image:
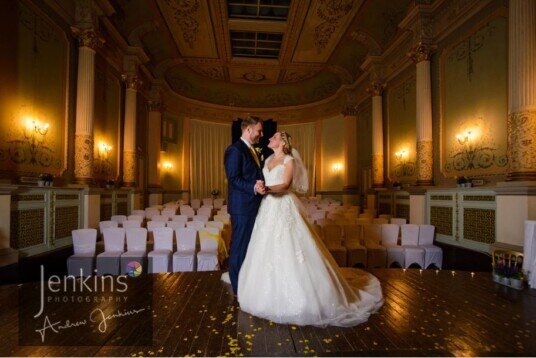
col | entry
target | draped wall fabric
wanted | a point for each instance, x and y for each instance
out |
(303, 139)
(207, 148)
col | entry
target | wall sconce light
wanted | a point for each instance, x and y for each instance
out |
(104, 149)
(336, 167)
(466, 137)
(401, 155)
(167, 165)
(36, 128)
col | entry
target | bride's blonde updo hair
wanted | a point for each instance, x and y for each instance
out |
(287, 139)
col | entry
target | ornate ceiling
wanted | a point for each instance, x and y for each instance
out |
(276, 63)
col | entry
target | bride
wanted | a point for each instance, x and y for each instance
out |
(288, 275)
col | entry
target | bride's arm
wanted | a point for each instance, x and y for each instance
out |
(287, 179)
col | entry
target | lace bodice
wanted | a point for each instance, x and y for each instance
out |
(274, 176)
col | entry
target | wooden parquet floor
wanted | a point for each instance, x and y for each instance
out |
(426, 313)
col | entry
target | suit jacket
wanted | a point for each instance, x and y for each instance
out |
(242, 174)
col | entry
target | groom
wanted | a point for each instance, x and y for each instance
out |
(245, 188)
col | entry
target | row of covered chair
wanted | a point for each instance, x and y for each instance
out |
(115, 260)
(376, 245)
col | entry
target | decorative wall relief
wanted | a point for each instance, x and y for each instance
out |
(474, 102)
(330, 12)
(33, 112)
(401, 112)
(184, 13)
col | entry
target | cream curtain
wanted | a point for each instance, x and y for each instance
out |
(303, 140)
(207, 148)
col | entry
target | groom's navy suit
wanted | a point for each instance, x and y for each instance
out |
(242, 175)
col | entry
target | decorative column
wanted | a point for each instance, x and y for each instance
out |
(154, 137)
(421, 56)
(88, 41)
(376, 89)
(522, 90)
(350, 152)
(129, 144)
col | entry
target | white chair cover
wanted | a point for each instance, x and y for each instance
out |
(395, 252)
(106, 224)
(195, 224)
(136, 248)
(207, 258)
(185, 259)
(529, 252)
(160, 258)
(150, 212)
(139, 213)
(168, 213)
(180, 218)
(413, 254)
(131, 223)
(398, 221)
(204, 211)
(82, 262)
(208, 201)
(202, 218)
(119, 218)
(432, 254)
(151, 225)
(174, 225)
(163, 218)
(135, 217)
(108, 262)
(218, 203)
(195, 204)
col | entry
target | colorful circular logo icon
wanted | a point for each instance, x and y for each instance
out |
(134, 269)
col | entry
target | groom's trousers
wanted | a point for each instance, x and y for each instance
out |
(242, 229)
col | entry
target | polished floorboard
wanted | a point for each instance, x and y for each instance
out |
(426, 313)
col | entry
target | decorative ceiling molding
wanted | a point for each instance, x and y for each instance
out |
(134, 38)
(368, 41)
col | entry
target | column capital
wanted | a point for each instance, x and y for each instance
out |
(155, 105)
(421, 52)
(376, 88)
(87, 37)
(132, 81)
(349, 108)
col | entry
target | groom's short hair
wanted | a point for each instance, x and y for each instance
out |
(250, 121)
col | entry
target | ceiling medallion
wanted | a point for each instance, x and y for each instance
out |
(253, 76)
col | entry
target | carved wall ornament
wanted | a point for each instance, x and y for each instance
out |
(425, 160)
(421, 52)
(216, 73)
(297, 76)
(83, 156)
(129, 167)
(184, 12)
(376, 88)
(377, 169)
(132, 82)
(154, 106)
(88, 38)
(253, 76)
(522, 141)
(465, 50)
(330, 12)
(475, 151)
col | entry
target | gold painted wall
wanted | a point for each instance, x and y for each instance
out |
(473, 84)
(107, 121)
(401, 129)
(33, 94)
(171, 178)
(332, 153)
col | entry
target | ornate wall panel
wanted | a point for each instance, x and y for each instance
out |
(106, 125)
(33, 106)
(402, 137)
(473, 81)
(27, 228)
(402, 211)
(479, 225)
(441, 218)
(66, 220)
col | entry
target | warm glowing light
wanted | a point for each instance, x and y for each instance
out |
(35, 126)
(167, 165)
(402, 154)
(467, 136)
(336, 167)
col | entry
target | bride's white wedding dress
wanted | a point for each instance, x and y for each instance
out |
(290, 277)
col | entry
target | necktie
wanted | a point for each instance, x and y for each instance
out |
(255, 156)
